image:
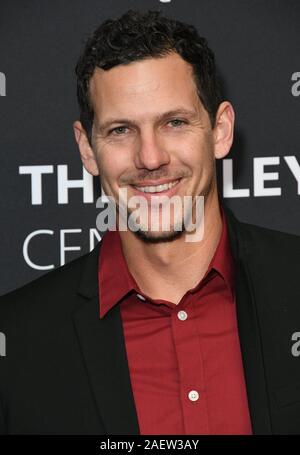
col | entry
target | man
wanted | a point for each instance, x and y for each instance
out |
(150, 333)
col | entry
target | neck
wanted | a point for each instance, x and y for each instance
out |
(168, 270)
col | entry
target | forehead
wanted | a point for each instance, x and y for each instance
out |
(152, 81)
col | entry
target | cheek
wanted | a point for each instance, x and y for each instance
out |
(112, 167)
(199, 158)
(194, 154)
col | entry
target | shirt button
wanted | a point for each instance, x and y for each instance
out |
(182, 315)
(193, 395)
(141, 297)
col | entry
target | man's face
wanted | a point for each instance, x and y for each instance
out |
(150, 127)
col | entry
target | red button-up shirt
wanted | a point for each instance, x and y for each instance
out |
(184, 359)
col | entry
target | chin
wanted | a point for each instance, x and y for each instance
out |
(157, 236)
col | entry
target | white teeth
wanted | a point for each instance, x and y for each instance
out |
(158, 188)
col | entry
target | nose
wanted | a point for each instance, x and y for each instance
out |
(150, 153)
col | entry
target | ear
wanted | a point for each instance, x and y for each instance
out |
(223, 130)
(86, 152)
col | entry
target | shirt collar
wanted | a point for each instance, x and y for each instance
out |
(222, 260)
(116, 281)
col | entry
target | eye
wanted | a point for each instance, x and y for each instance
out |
(118, 130)
(177, 122)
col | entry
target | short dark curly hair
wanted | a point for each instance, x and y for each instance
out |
(136, 36)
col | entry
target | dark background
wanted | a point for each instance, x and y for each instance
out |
(257, 49)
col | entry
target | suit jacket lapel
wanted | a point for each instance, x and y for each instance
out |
(249, 332)
(103, 349)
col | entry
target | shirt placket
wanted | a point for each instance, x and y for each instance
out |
(192, 387)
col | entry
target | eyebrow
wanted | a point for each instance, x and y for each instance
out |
(158, 118)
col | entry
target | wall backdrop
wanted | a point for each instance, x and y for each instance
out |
(48, 211)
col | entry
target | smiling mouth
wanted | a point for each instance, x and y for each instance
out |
(161, 188)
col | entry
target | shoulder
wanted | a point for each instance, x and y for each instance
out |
(261, 243)
(261, 239)
(46, 293)
(273, 259)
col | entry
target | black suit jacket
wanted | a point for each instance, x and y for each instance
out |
(66, 371)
